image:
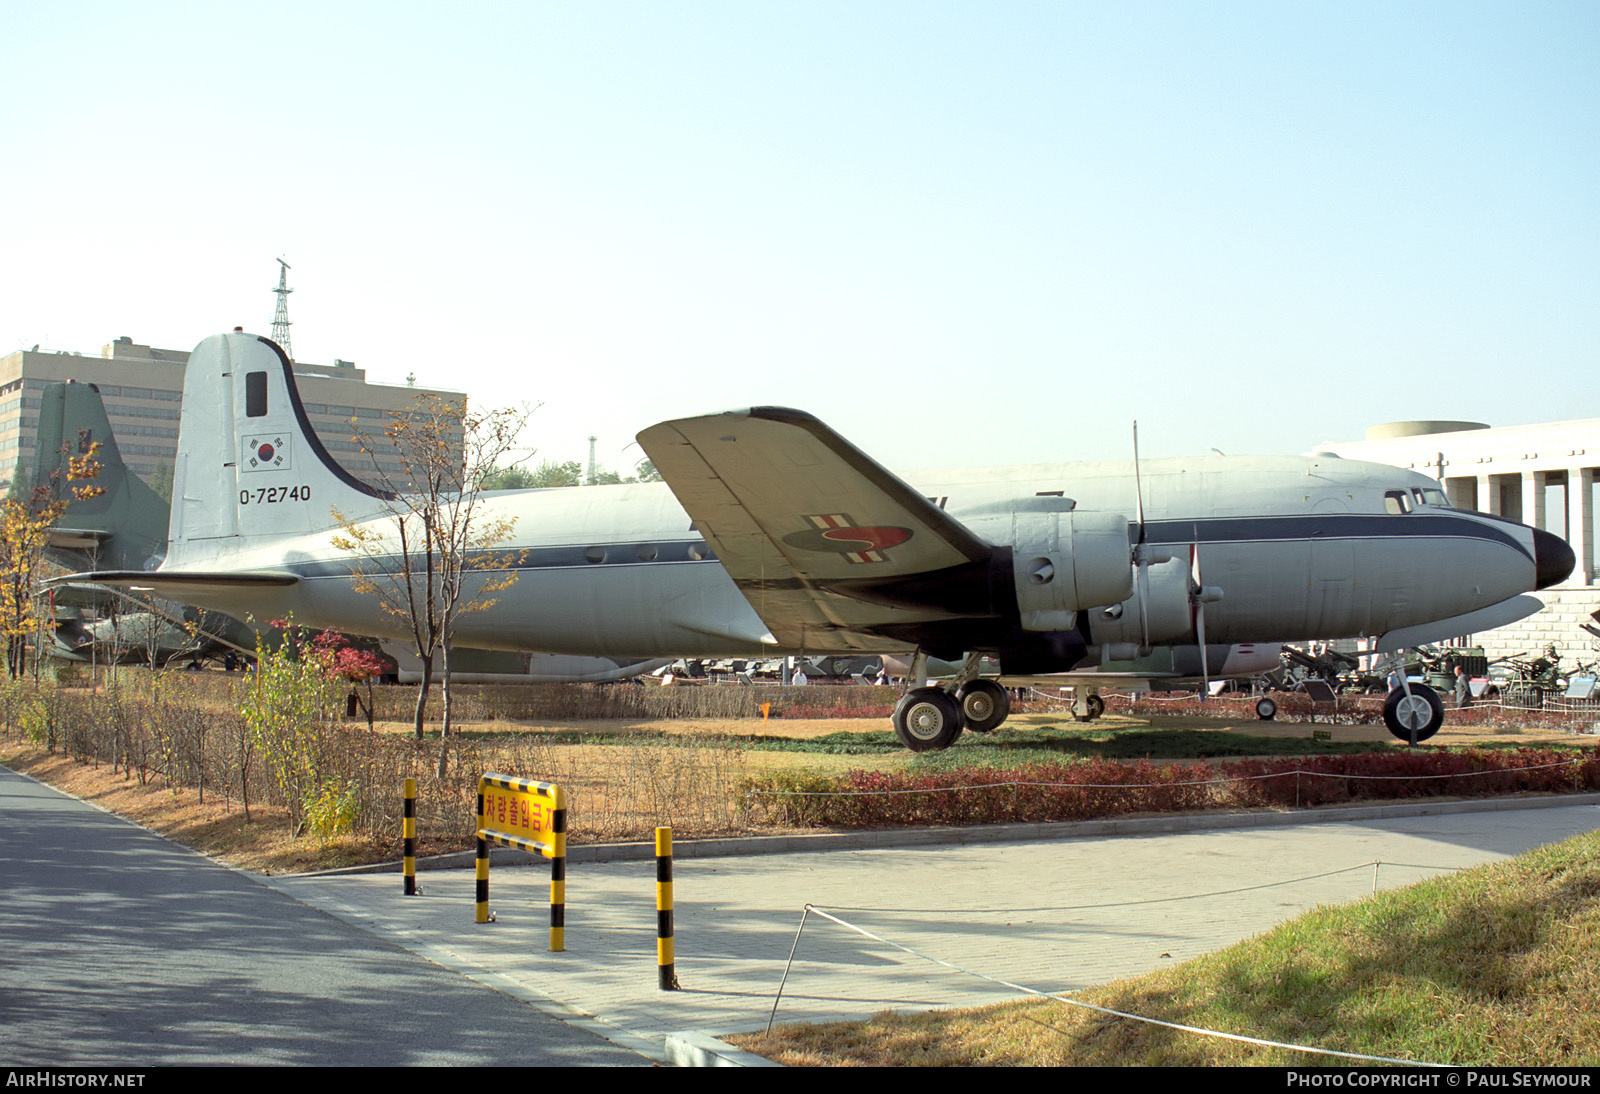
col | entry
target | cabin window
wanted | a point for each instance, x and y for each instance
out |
(647, 553)
(698, 552)
(595, 554)
(255, 394)
(1396, 502)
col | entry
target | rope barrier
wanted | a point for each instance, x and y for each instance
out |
(1373, 865)
(1265, 1043)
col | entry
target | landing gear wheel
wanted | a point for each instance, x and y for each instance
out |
(984, 705)
(1421, 713)
(927, 719)
(1097, 707)
(1266, 709)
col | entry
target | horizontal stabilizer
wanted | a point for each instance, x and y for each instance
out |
(1484, 619)
(78, 539)
(173, 585)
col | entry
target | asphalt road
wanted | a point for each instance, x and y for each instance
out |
(122, 948)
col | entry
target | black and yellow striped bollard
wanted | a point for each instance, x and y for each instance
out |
(484, 915)
(408, 836)
(666, 964)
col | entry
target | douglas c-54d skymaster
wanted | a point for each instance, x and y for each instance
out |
(774, 534)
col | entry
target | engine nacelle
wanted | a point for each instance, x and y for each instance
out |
(1167, 609)
(1064, 562)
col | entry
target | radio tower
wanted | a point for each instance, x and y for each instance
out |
(280, 321)
(593, 470)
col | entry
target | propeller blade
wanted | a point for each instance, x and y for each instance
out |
(1138, 485)
(1200, 616)
(1140, 559)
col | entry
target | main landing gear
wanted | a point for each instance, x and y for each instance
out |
(927, 719)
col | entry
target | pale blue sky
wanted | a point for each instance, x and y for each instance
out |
(961, 233)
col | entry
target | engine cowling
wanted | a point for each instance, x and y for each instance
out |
(1065, 562)
(1167, 610)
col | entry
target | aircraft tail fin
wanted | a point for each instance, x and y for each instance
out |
(250, 466)
(125, 526)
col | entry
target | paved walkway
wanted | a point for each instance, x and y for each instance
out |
(1055, 915)
(124, 949)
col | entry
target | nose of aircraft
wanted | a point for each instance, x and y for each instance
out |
(1553, 558)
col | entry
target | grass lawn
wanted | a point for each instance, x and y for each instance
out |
(1491, 967)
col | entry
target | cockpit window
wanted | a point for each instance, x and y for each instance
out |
(1396, 502)
(1436, 498)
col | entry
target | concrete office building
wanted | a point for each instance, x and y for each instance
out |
(1543, 475)
(142, 388)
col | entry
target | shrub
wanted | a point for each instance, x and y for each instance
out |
(1101, 788)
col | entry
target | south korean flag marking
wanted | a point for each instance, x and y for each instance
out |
(266, 452)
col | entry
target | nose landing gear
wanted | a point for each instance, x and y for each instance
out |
(1413, 712)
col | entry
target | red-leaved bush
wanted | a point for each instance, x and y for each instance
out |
(1103, 788)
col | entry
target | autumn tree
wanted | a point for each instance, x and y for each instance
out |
(26, 520)
(433, 557)
(343, 661)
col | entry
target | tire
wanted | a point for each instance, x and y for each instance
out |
(1421, 711)
(1266, 709)
(984, 705)
(1097, 707)
(927, 720)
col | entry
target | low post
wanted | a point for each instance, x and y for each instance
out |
(482, 866)
(666, 966)
(408, 836)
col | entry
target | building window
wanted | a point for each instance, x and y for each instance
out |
(1507, 496)
(1554, 518)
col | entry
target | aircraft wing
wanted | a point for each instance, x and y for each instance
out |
(1110, 681)
(824, 542)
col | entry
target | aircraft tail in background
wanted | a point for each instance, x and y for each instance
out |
(124, 528)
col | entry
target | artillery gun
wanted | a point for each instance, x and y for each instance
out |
(1525, 683)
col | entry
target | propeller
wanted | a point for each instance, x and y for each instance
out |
(1201, 594)
(1141, 562)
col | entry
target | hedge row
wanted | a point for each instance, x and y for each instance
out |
(1104, 788)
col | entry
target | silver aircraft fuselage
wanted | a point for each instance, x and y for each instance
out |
(1305, 547)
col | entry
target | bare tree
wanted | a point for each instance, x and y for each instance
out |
(433, 558)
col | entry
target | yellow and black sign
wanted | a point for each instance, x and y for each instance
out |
(531, 816)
